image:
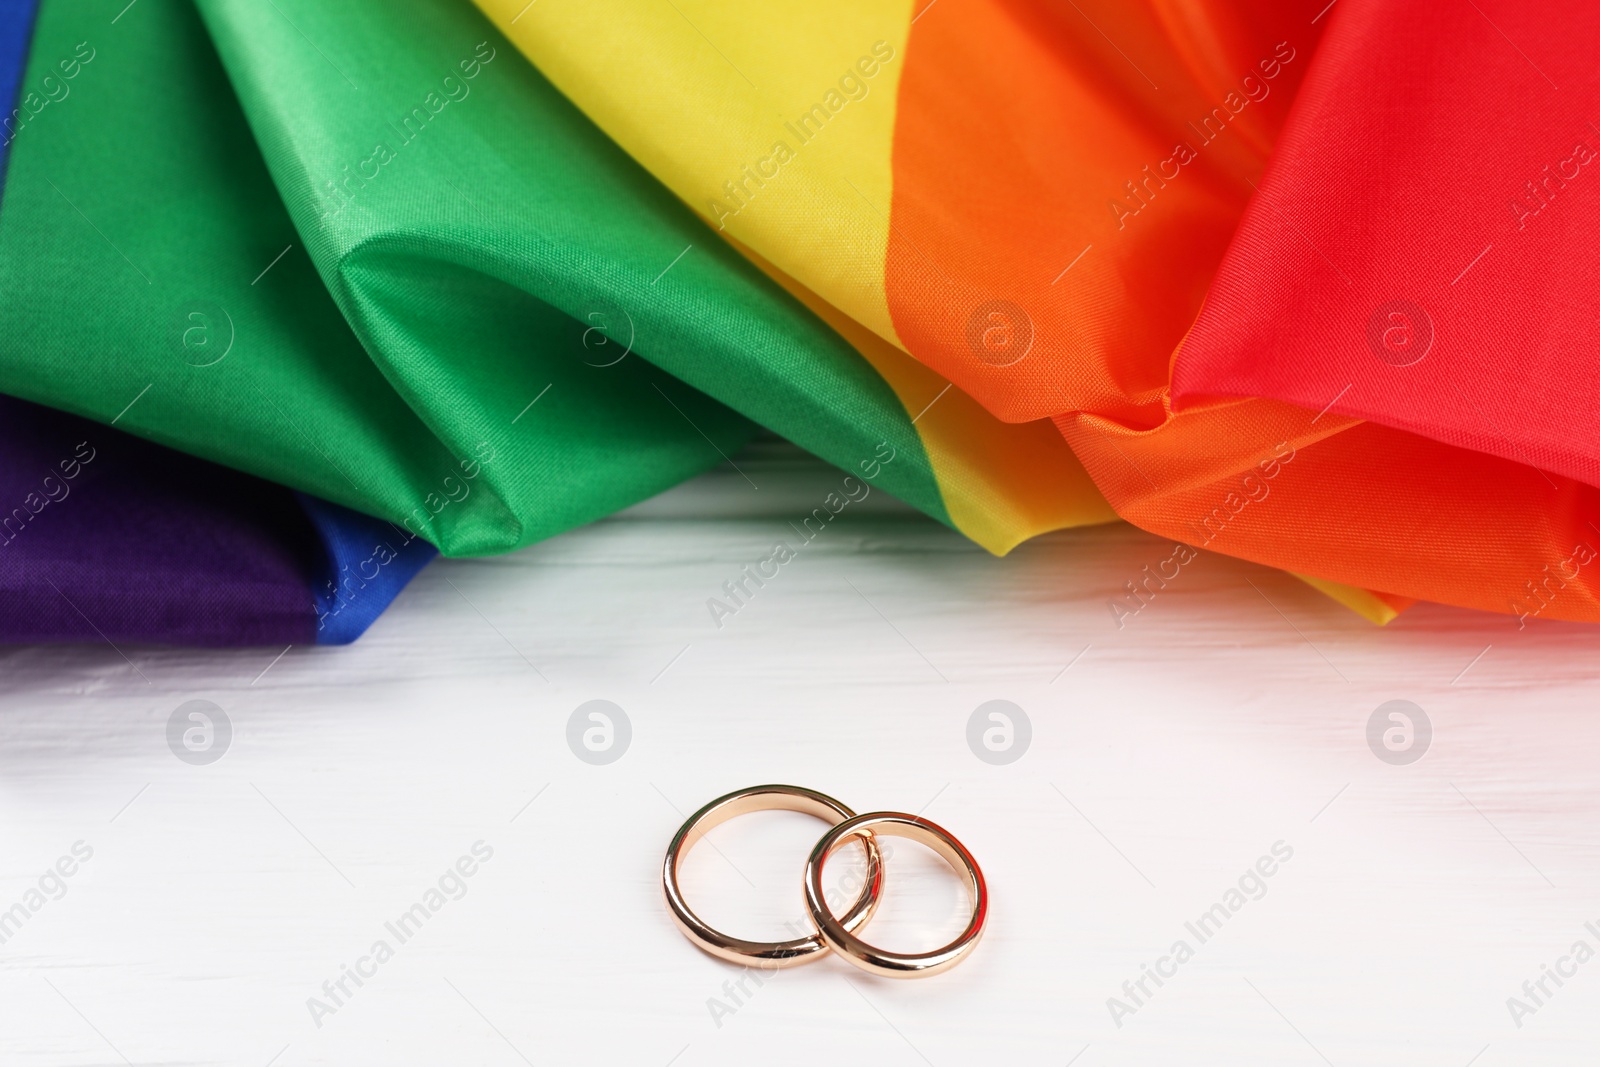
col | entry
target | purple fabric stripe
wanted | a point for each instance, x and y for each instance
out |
(106, 537)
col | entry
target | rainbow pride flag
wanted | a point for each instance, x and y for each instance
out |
(483, 273)
(1033, 200)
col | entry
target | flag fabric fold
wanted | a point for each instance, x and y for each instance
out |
(1035, 209)
(466, 276)
(107, 538)
(1420, 256)
(104, 537)
(446, 299)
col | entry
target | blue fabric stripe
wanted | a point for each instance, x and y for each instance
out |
(368, 562)
(16, 32)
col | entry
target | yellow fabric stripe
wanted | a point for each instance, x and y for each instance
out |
(1002, 482)
(763, 118)
(776, 123)
(1370, 606)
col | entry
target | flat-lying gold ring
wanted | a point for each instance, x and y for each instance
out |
(770, 954)
(836, 934)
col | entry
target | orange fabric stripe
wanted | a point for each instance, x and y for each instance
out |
(1060, 206)
(1001, 482)
(1008, 179)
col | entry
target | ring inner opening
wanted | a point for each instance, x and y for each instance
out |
(925, 904)
(744, 877)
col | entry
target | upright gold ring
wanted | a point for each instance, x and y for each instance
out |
(836, 933)
(771, 954)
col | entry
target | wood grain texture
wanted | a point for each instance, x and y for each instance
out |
(1167, 757)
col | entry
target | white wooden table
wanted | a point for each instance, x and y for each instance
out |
(1166, 759)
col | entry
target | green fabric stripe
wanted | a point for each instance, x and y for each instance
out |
(497, 248)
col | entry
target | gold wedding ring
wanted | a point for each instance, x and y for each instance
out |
(838, 935)
(834, 933)
(770, 954)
